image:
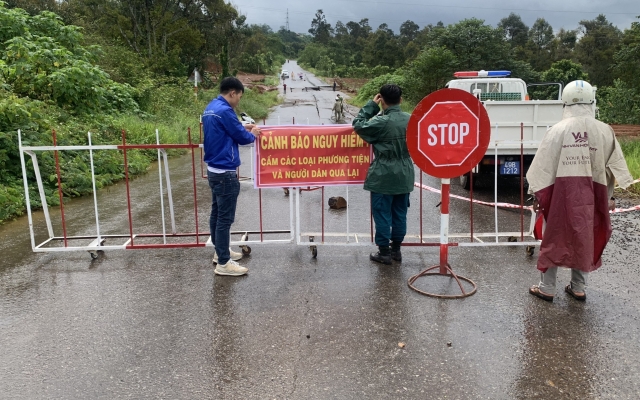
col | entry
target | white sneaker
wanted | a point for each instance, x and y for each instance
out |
(235, 256)
(231, 268)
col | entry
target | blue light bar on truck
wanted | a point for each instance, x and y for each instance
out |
(482, 74)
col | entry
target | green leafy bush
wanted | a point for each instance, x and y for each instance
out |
(373, 86)
(43, 59)
(619, 104)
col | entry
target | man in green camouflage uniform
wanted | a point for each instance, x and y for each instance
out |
(391, 175)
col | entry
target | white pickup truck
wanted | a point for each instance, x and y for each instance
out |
(507, 103)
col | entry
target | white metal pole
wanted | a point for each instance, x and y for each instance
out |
(95, 193)
(169, 191)
(495, 183)
(43, 196)
(297, 194)
(164, 229)
(444, 226)
(347, 213)
(291, 227)
(26, 191)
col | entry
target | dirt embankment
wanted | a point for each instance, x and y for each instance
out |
(350, 85)
(627, 131)
(255, 81)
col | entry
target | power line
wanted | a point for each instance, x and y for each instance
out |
(491, 8)
(429, 5)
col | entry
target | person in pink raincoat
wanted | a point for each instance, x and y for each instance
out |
(572, 177)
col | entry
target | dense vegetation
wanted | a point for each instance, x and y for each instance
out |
(108, 73)
(102, 66)
(424, 59)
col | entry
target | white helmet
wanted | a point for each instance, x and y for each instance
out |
(578, 92)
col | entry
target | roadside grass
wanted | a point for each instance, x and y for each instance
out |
(171, 109)
(631, 150)
(271, 80)
(257, 105)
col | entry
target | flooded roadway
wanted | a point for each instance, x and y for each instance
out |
(159, 324)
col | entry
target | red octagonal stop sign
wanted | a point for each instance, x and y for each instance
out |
(448, 133)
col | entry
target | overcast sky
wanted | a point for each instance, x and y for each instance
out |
(559, 13)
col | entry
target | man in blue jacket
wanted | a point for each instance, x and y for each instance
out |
(223, 132)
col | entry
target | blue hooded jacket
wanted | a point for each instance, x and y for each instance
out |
(222, 135)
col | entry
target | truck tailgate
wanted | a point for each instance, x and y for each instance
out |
(506, 117)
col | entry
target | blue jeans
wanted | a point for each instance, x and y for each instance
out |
(225, 189)
(390, 216)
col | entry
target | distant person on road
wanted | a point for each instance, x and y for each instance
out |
(223, 132)
(390, 178)
(334, 85)
(338, 109)
(572, 176)
(285, 88)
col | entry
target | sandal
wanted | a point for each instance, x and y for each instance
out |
(535, 290)
(573, 294)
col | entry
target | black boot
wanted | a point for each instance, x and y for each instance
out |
(382, 256)
(396, 255)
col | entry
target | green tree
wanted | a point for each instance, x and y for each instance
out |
(430, 71)
(565, 44)
(627, 59)
(372, 87)
(596, 48)
(312, 54)
(539, 45)
(34, 7)
(320, 29)
(619, 103)
(292, 42)
(381, 48)
(516, 31)
(475, 45)
(171, 35)
(408, 32)
(44, 60)
(563, 71)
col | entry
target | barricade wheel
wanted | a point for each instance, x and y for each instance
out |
(246, 250)
(94, 254)
(512, 239)
(314, 251)
(530, 250)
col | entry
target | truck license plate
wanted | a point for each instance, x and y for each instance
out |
(510, 168)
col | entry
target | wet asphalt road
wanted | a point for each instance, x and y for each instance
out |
(159, 324)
